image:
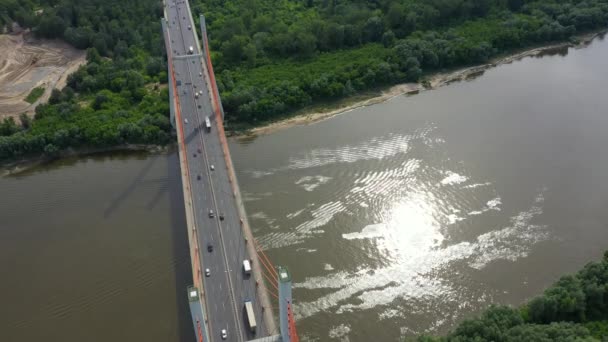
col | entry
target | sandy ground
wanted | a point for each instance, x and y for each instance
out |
(26, 63)
(432, 82)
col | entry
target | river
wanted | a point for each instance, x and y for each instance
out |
(400, 218)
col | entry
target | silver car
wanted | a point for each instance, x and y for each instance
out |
(224, 334)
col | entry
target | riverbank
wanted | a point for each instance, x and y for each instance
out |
(320, 112)
(17, 166)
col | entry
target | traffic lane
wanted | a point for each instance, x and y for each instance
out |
(245, 286)
(224, 203)
(248, 290)
(215, 285)
(218, 288)
(226, 200)
(212, 288)
(221, 317)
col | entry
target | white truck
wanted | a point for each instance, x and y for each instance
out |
(246, 266)
(208, 124)
(250, 316)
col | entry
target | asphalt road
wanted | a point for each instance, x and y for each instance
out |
(227, 287)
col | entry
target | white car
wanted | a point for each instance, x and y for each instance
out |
(207, 272)
(224, 334)
(212, 167)
(185, 121)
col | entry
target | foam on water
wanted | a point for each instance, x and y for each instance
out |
(309, 183)
(453, 178)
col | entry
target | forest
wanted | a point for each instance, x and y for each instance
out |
(575, 308)
(271, 57)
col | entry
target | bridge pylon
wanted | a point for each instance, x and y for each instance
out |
(286, 319)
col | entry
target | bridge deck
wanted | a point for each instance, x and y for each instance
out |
(219, 245)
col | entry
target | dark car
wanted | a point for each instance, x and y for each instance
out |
(209, 248)
(222, 217)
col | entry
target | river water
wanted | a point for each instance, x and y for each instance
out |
(400, 218)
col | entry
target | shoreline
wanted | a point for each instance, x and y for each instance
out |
(17, 166)
(432, 81)
(322, 111)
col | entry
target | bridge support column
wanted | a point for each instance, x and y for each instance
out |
(284, 302)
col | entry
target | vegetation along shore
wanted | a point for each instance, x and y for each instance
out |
(572, 309)
(272, 58)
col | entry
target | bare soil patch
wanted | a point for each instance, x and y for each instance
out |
(27, 63)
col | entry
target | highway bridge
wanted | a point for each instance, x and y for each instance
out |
(218, 232)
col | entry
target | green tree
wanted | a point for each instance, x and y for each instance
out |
(26, 121)
(8, 127)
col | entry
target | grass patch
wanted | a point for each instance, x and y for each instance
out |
(34, 95)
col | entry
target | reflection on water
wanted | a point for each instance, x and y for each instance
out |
(414, 213)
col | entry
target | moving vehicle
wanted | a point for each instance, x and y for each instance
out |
(212, 167)
(221, 217)
(224, 334)
(207, 272)
(250, 316)
(190, 50)
(189, 27)
(185, 120)
(196, 94)
(209, 248)
(208, 123)
(246, 267)
(211, 213)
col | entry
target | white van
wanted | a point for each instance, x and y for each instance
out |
(246, 267)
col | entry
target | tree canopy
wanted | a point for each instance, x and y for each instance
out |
(573, 309)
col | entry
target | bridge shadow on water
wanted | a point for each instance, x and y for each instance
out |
(181, 249)
(139, 179)
(172, 187)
